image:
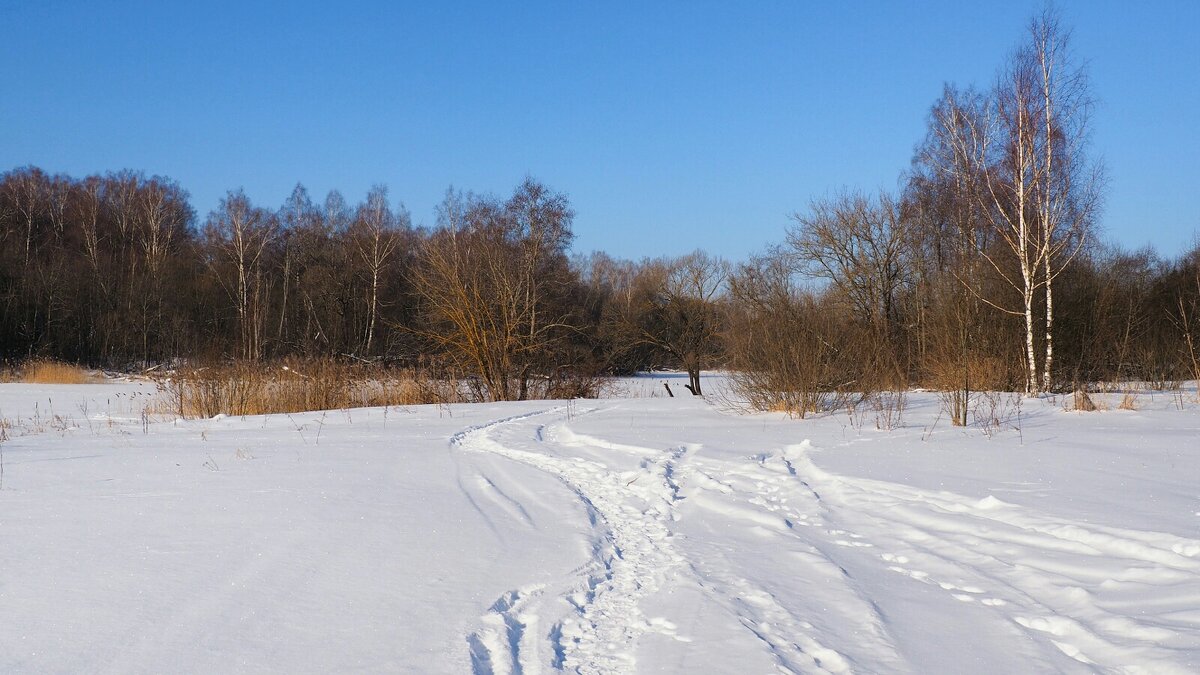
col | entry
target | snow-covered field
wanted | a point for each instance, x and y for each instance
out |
(641, 534)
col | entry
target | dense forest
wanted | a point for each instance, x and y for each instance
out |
(984, 270)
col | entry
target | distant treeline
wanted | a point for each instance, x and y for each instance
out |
(982, 271)
(115, 270)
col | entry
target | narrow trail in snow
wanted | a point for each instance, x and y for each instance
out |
(635, 551)
(630, 558)
(1039, 584)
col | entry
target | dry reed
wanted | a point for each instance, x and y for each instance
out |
(54, 372)
(297, 386)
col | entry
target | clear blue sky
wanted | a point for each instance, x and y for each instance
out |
(671, 126)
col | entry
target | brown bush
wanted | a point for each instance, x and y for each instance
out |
(789, 355)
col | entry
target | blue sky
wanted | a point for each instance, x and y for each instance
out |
(671, 126)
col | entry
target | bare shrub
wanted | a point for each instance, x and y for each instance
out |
(888, 407)
(569, 383)
(565, 383)
(995, 411)
(417, 386)
(959, 380)
(788, 353)
(954, 380)
(1179, 398)
(1129, 401)
(955, 403)
(1163, 381)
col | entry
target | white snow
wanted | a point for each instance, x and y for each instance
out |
(639, 534)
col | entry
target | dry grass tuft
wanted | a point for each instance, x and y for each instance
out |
(54, 372)
(1128, 401)
(1082, 402)
(298, 386)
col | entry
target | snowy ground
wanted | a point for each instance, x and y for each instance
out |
(643, 534)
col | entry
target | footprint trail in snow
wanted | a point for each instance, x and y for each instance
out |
(822, 573)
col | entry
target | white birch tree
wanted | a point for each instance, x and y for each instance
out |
(240, 235)
(377, 234)
(1067, 186)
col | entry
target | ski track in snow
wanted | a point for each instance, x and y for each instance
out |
(1061, 582)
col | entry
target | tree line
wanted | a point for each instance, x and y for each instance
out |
(983, 271)
(116, 270)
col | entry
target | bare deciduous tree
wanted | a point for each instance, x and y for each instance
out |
(376, 234)
(487, 279)
(1039, 190)
(944, 192)
(1067, 185)
(239, 234)
(161, 215)
(860, 245)
(672, 304)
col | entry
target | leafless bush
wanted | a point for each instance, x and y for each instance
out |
(995, 411)
(788, 354)
(1179, 398)
(957, 380)
(572, 384)
(246, 388)
(565, 384)
(888, 407)
(955, 404)
(1164, 382)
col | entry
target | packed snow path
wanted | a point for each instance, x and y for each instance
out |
(620, 536)
(632, 554)
(828, 573)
